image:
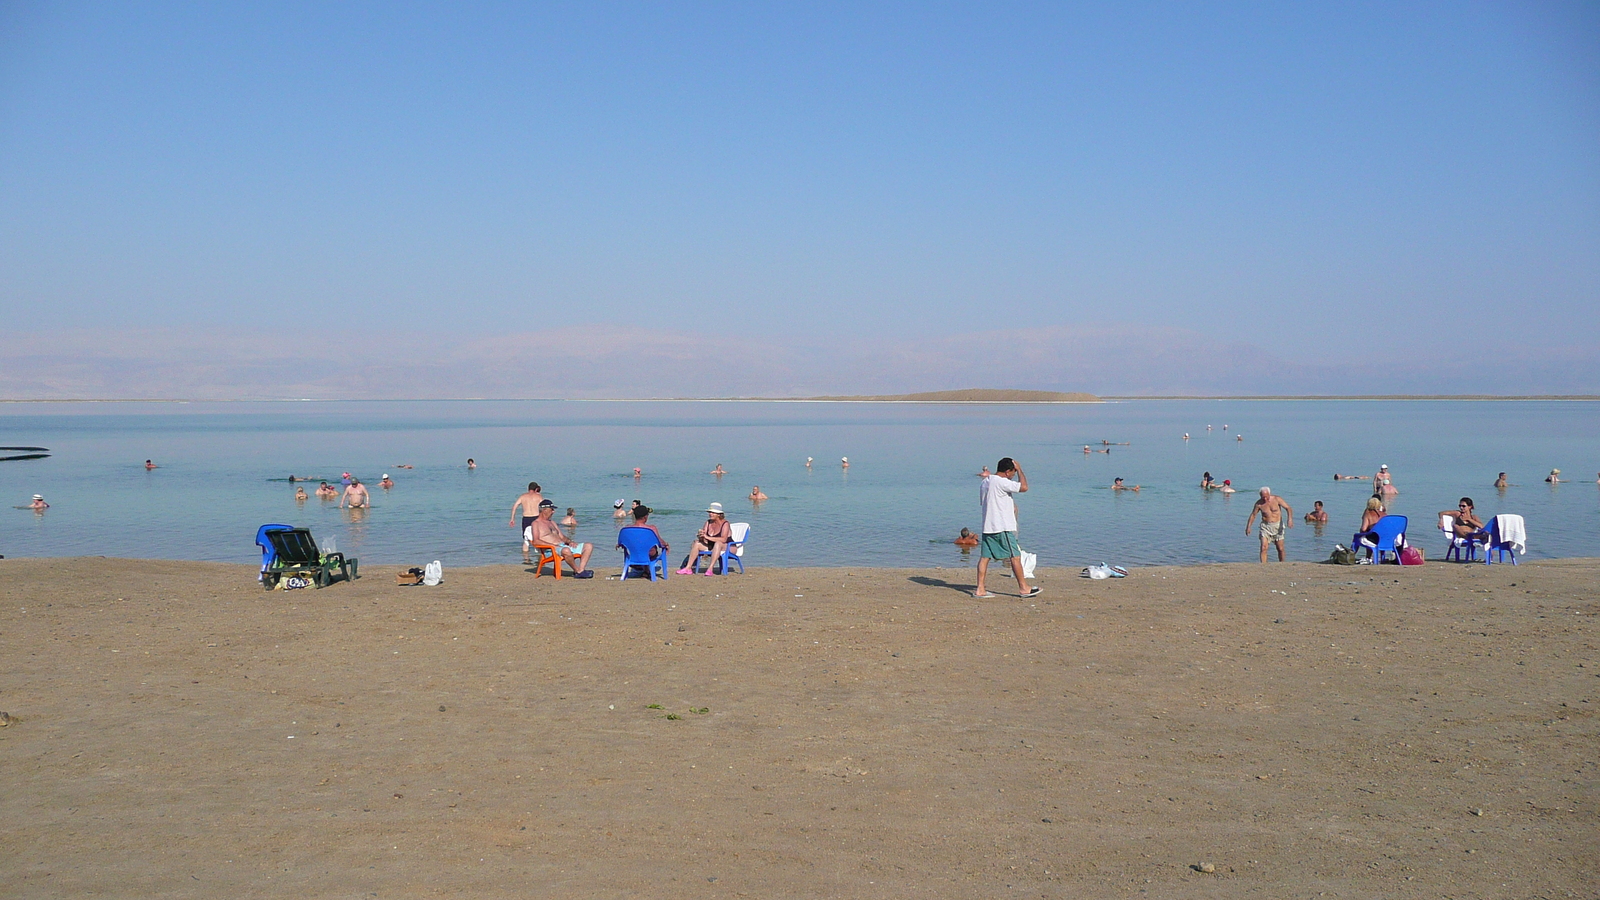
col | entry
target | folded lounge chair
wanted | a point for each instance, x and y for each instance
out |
(295, 553)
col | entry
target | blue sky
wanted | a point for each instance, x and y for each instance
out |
(1414, 183)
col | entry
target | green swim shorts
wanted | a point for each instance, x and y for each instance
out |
(1000, 545)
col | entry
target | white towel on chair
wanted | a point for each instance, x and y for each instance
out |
(1512, 533)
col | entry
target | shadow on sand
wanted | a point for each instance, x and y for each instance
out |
(940, 582)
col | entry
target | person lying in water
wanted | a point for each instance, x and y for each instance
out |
(1117, 485)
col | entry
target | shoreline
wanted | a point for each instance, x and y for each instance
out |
(1106, 398)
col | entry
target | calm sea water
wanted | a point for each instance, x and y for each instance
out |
(909, 489)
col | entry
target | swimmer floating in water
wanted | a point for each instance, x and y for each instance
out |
(1117, 485)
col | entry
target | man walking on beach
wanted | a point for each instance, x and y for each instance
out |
(1000, 524)
(1276, 516)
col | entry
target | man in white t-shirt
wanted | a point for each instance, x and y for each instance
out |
(1000, 524)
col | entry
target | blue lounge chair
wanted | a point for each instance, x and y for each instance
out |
(636, 542)
(1390, 534)
(732, 554)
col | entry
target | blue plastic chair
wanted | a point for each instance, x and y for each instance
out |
(636, 542)
(1390, 532)
(1495, 545)
(732, 554)
(268, 555)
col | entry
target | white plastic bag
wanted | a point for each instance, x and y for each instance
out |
(1029, 560)
(433, 573)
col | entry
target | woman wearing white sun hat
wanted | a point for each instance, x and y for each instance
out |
(712, 536)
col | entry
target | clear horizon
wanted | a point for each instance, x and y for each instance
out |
(367, 200)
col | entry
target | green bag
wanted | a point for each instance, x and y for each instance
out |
(1343, 556)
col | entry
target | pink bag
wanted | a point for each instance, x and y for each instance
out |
(1411, 556)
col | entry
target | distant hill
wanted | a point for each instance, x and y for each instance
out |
(977, 395)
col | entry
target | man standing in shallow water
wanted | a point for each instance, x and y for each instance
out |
(1276, 516)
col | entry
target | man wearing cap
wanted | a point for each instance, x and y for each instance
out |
(38, 502)
(1383, 483)
(641, 519)
(545, 531)
(713, 536)
(355, 496)
(1000, 524)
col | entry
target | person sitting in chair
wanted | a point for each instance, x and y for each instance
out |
(545, 531)
(714, 536)
(641, 519)
(1464, 523)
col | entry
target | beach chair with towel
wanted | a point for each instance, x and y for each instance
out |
(267, 553)
(295, 553)
(732, 554)
(636, 542)
(1507, 534)
(1459, 543)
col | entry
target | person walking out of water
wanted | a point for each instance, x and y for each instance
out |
(1383, 482)
(1276, 517)
(528, 504)
(355, 496)
(996, 499)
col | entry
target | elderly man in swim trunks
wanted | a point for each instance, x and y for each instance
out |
(1276, 516)
(544, 530)
(355, 496)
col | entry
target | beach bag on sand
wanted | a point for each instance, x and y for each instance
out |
(1029, 560)
(1343, 556)
(433, 574)
(1411, 556)
(412, 575)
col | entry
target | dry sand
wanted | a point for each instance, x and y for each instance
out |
(1306, 730)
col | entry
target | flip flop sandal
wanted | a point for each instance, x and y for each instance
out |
(978, 596)
(1032, 592)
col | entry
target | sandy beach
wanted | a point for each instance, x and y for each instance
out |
(1293, 730)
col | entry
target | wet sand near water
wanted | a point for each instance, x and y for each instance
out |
(1302, 730)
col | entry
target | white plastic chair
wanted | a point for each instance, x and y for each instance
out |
(732, 554)
(1458, 543)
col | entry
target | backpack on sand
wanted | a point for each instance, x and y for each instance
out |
(1343, 556)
